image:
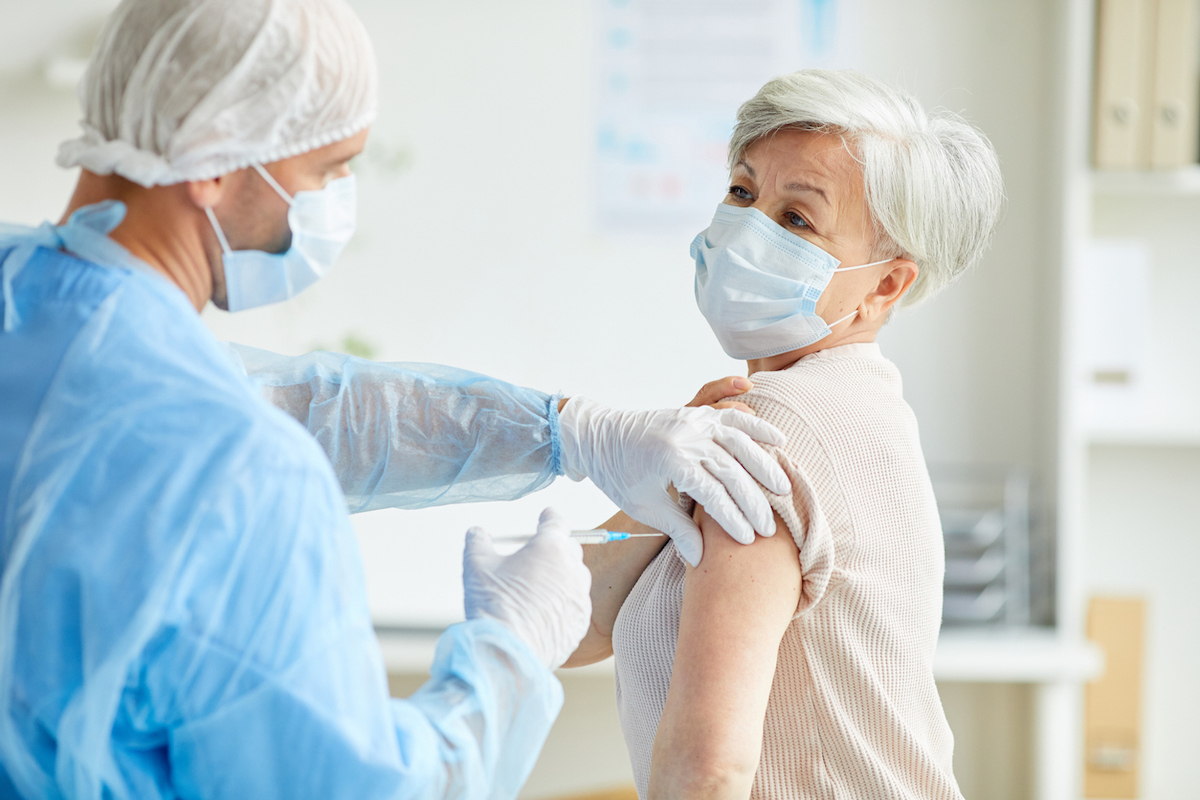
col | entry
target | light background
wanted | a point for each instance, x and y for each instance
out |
(478, 245)
(478, 248)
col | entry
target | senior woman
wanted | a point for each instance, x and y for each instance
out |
(800, 666)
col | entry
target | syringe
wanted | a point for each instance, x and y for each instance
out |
(584, 537)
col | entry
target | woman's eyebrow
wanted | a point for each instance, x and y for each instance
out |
(742, 163)
(796, 186)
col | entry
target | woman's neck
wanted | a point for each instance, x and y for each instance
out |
(785, 360)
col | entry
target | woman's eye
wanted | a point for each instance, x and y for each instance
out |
(740, 193)
(795, 220)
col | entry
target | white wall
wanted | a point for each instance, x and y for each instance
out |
(483, 254)
(479, 249)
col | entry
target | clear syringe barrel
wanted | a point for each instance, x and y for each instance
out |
(583, 537)
(598, 537)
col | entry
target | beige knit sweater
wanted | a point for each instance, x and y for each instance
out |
(853, 711)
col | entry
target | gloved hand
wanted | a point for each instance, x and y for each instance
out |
(636, 456)
(541, 592)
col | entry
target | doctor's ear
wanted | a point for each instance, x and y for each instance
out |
(898, 279)
(207, 193)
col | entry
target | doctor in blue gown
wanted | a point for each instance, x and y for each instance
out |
(182, 611)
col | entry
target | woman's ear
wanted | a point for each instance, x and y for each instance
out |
(899, 278)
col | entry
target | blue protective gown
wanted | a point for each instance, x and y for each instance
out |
(182, 610)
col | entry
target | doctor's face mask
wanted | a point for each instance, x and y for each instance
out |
(758, 284)
(322, 223)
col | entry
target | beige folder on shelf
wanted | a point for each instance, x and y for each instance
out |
(1113, 702)
(1172, 118)
(1125, 33)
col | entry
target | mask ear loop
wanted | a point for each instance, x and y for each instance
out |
(854, 313)
(266, 176)
(863, 266)
(212, 219)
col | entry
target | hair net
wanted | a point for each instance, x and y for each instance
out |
(181, 90)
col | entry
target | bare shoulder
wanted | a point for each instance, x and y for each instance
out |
(718, 542)
(768, 568)
(737, 605)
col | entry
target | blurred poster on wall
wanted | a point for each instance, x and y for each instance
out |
(670, 75)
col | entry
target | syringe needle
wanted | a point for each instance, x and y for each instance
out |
(586, 537)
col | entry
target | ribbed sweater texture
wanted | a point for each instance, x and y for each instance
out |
(853, 711)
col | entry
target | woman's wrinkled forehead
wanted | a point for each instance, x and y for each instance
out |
(815, 164)
(826, 155)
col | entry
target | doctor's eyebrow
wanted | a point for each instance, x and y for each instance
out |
(337, 161)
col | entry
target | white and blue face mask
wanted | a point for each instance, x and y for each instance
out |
(758, 284)
(322, 222)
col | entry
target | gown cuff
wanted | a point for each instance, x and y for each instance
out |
(555, 435)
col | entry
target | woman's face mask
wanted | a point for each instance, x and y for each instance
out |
(758, 284)
(322, 223)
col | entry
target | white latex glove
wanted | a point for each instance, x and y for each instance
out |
(636, 456)
(541, 592)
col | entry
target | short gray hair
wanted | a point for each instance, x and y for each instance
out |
(932, 180)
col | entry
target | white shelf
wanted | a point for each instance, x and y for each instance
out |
(974, 656)
(1179, 182)
(1017, 656)
(1145, 437)
(409, 651)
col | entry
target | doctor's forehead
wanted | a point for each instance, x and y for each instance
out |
(338, 152)
(349, 148)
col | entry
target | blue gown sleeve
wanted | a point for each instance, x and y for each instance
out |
(474, 730)
(406, 435)
(272, 684)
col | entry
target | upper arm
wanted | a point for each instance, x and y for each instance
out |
(737, 604)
